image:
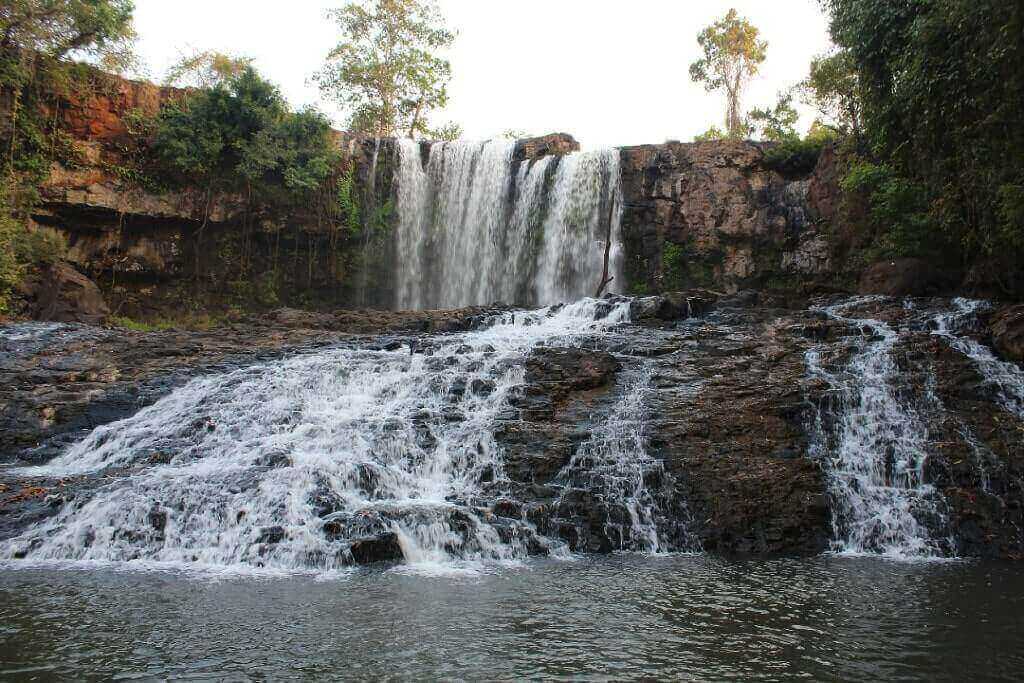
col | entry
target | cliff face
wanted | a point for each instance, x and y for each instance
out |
(712, 214)
(708, 214)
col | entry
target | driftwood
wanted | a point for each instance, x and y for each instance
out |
(605, 277)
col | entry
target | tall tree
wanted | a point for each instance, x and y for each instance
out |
(733, 54)
(386, 71)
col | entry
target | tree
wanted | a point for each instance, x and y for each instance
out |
(776, 124)
(833, 89)
(940, 97)
(733, 54)
(206, 69)
(386, 71)
(59, 29)
(240, 135)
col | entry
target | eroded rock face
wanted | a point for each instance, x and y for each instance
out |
(713, 215)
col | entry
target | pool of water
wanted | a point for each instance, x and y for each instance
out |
(619, 617)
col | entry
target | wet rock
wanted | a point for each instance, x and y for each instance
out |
(272, 535)
(1007, 327)
(381, 548)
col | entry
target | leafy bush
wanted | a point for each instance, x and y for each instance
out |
(240, 136)
(898, 209)
(795, 158)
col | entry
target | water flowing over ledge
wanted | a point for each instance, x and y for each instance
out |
(345, 456)
(475, 227)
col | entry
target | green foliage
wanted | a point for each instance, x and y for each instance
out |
(140, 326)
(385, 71)
(239, 135)
(673, 265)
(833, 88)
(77, 29)
(348, 204)
(897, 208)
(712, 133)
(206, 69)
(941, 88)
(777, 124)
(733, 54)
(794, 158)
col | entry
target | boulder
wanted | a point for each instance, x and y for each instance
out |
(1007, 327)
(899, 277)
(59, 293)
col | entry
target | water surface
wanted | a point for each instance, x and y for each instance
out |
(619, 617)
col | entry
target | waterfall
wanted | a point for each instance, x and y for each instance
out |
(475, 226)
(612, 469)
(1006, 379)
(311, 462)
(872, 443)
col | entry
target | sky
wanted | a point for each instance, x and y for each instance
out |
(609, 73)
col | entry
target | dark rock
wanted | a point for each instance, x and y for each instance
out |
(899, 277)
(59, 293)
(1007, 326)
(381, 548)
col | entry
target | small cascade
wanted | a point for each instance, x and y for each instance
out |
(1006, 379)
(340, 456)
(613, 473)
(475, 226)
(872, 442)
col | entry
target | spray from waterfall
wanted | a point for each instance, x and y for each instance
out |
(475, 226)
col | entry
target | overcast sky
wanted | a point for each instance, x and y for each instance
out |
(610, 73)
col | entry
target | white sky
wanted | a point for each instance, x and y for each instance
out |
(610, 73)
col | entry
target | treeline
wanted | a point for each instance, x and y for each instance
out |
(925, 103)
(938, 88)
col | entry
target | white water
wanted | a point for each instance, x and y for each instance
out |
(475, 228)
(1007, 379)
(874, 449)
(284, 465)
(612, 467)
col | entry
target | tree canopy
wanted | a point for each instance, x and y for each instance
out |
(733, 54)
(240, 133)
(940, 90)
(99, 29)
(386, 71)
(205, 69)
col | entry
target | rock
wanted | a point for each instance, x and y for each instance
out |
(380, 548)
(555, 143)
(899, 277)
(1007, 326)
(59, 293)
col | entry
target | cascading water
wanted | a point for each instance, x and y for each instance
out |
(872, 443)
(613, 471)
(475, 226)
(304, 464)
(1007, 379)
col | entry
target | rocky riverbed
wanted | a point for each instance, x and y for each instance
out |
(704, 422)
